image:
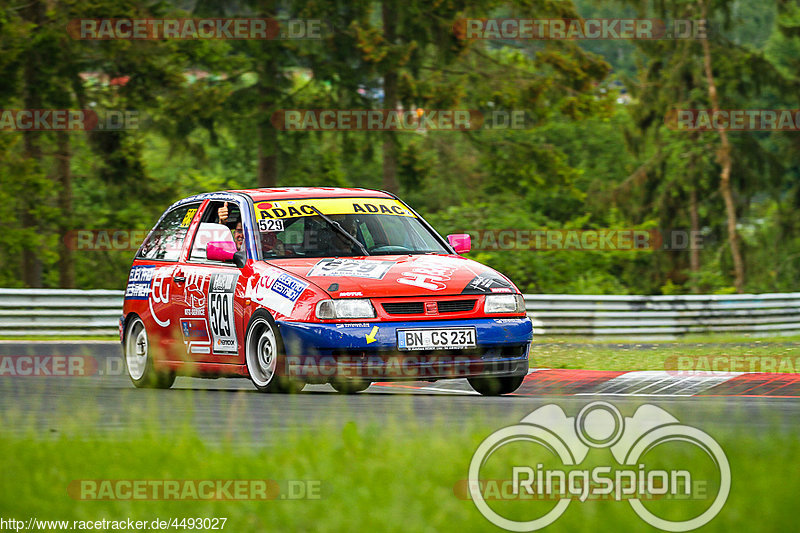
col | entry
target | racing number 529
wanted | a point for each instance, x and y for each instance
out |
(220, 321)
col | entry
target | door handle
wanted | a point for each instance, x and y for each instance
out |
(179, 279)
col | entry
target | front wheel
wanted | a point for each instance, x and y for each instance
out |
(264, 357)
(495, 386)
(139, 359)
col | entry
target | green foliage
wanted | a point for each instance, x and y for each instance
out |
(585, 160)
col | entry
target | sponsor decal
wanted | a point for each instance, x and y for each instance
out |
(351, 268)
(331, 206)
(351, 293)
(220, 313)
(195, 334)
(277, 291)
(432, 278)
(139, 282)
(159, 293)
(195, 292)
(487, 282)
(370, 337)
(194, 329)
(187, 219)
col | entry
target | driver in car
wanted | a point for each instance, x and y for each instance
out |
(235, 225)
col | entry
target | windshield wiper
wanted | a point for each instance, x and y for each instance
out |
(335, 225)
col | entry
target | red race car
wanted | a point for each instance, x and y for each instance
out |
(316, 285)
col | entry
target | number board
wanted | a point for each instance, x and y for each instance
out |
(220, 313)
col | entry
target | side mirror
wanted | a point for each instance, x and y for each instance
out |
(220, 250)
(461, 242)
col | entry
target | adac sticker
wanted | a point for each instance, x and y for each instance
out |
(331, 206)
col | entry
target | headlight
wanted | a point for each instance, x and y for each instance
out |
(504, 303)
(345, 308)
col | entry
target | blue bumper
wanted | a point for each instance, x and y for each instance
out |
(369, 350)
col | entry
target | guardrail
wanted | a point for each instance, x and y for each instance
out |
(664, 316)
(57, 312)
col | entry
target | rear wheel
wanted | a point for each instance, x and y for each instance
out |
(495, 386)
(265, 359)
(139, 358)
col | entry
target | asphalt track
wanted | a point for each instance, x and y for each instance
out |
(225, 409)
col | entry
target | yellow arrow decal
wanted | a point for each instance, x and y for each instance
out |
(371, 335)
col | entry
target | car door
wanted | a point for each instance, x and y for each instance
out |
(155, 269)
(210, 314)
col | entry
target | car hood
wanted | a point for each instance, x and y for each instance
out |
(397, 275)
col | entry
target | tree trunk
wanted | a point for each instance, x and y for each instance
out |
(269, 97)
(267, 156)
(31, 262)
(694, 251)
(694, 215)
(724, 158)
(390, 103)
(66, 264)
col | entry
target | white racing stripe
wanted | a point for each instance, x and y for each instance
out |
(661, 383)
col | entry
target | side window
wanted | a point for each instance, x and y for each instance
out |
(166, 241)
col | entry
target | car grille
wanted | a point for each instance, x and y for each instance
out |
(418, 308)
(456, 306)
(404, 308)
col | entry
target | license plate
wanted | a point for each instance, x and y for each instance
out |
(436, 338)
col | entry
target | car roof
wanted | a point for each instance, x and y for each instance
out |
(286, 193)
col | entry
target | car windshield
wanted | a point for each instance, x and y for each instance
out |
(336, 227)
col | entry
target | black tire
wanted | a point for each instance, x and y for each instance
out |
(265, 356)
(350, 386)
(139, 358)
(496, 386)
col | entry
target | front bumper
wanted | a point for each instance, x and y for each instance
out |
(318, 352)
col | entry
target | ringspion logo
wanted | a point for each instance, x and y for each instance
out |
(557, 466)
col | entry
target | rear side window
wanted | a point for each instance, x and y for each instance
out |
(166, 241)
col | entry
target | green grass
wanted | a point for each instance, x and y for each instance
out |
(774, 355)
(394, 476)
